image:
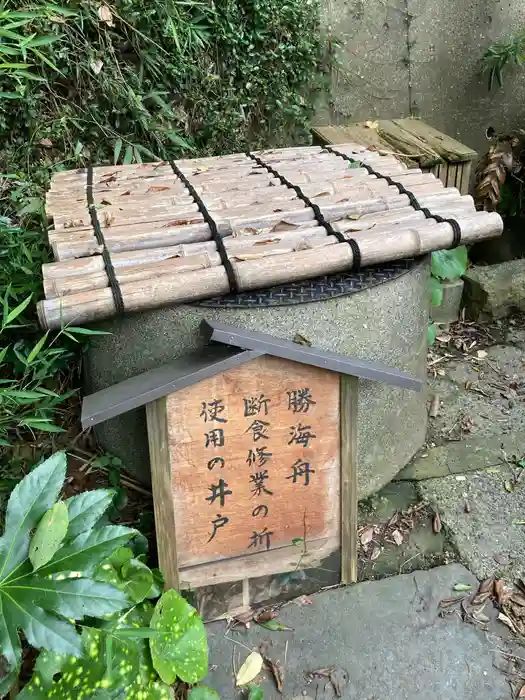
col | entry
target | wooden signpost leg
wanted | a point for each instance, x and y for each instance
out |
(349, 397)
(162, 491)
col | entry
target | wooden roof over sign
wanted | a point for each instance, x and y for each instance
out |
(234, 346)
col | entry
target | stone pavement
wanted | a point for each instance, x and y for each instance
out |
(385, 639)
(476, 443)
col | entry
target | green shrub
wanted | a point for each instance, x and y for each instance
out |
(79, 591)
(151, 79)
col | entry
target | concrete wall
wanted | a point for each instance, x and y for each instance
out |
(423, 57)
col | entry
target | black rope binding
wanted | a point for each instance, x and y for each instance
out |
(230, 272)
(106, 257)
(356, 252)
(456, 229)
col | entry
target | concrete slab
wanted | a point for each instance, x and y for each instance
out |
(385, 636)
(490, 538)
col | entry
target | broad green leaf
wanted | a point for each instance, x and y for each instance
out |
(86, 509)
(132, 676)
(41, 629)
(274, 626)
(137, 156)
(74, 598)
(436, 292)
(10, 647)
(33, 206)
(28, 502)
(255, 692)
(49, 535)
(116, 150)
(462, 587)
(202, 692)
(431, 333)
(78, 148)
(180, 649)
(138, 579)
(128, 155)
(88, 550)
(450, 264)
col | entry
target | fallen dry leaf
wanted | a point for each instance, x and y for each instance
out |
(250, 669)
(481, 354)
(397, 537)
(96, 66)
(301, 340)
(521, 694)
(507, 621)
(244, 618)
(375, 552)
(500, 591)
(367, 536)
(46, 143)
(466, 506)
(105, 15)
(157, 188)
(518, 598)
(303, 600)
(436, 523)
(266, 615)
(486, 586)
(277, 672)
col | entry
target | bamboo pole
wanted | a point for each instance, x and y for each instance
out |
(188, 286)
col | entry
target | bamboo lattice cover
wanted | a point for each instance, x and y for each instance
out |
(136, 237)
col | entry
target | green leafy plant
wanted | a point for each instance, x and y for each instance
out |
(445, 265)
(77, 589)
(501, 54)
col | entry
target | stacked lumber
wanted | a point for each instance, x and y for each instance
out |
(161, 247)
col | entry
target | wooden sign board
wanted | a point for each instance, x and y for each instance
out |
(246, 472)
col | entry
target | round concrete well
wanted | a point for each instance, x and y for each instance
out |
(385, 321)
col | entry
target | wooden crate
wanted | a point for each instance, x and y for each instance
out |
(418, 144)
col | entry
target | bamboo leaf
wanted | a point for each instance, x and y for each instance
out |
(128, 155)
(116, 150)
(37, 348)
(15, 313)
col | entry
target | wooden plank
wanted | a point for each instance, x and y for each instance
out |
(464, 185)
(254, 455)
(407, 143)
(447, 147)
(351, 133)
(273, 561)
(156, 416)
(349, 399)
